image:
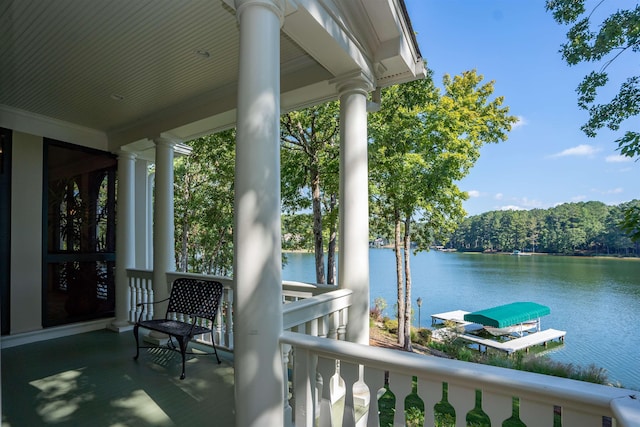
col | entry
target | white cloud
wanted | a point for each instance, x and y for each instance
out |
(521, 122)
(579, 150)
(579, 198)
(530, 203)
(617, 190)
(616, 158)
(520, 204)
(473, 193)
(498, 196)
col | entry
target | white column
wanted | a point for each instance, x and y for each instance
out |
(143, 218)
(125, 238)
(353, 271)
(163, 222)
(257, 269)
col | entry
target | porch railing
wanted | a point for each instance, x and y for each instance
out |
(298, 315)
(365, 370)
(333, 382)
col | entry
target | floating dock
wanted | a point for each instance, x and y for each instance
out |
(516, 344)
(454, 316)
(509, 347)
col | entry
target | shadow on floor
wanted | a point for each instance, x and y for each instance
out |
(91, 379)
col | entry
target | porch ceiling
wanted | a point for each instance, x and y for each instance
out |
(134, 69)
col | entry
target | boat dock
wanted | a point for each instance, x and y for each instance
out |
(516, 344)
(509, 347)
(454, 316)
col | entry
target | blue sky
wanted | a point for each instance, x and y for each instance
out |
(547, 160)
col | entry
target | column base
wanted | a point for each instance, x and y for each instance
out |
(121, 326)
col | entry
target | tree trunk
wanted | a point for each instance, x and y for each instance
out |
(407, 279)
(317, 222)
(399, 281)
(331, 249)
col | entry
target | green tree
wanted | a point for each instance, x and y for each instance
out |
(310, 162)
(422, 141)
(203, 192)
(618, 34)
(570, 228)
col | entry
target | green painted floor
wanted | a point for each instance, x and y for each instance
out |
(91, 379)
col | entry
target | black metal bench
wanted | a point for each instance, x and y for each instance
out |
(195, 302)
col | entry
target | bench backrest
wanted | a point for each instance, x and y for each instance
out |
(195, 297)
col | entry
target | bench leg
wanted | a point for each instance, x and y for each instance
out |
(183, 349)
(135, 334)
(216, 352)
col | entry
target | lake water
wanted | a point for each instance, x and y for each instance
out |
(595, 300)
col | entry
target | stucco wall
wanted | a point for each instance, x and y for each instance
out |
(26, 233)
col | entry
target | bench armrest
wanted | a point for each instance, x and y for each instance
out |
(143, 304)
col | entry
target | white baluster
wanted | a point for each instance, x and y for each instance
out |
(304, 388)
(374, 379)
(134, 284)
(149, 297)
(218, 334)
(400, 386)
(323, 326)
(536, 414)
(288, 420)
(327, 370)
(342, 327)
(228, 327)
(498, 407)
(463, 400)
(431, 393)
(350, 374)
(139, 297)
(333, 326)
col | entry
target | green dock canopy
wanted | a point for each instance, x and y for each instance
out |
(508, 314)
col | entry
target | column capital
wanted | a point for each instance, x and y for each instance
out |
(275, 6)
(127, 155)
(356, 81)
(164, 141)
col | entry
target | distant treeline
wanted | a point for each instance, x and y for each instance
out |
(589, 228)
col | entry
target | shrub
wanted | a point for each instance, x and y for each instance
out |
(377, 311)
(414, 417)
(465, 354)
(421, 336)
(391, 325)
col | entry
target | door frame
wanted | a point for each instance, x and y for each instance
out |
(5, 230)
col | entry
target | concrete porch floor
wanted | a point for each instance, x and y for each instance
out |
(91, 379)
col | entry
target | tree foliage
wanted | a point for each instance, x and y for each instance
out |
(423, 140)
(570, 228)
(310, 163)
(618, 34)
(203, 192)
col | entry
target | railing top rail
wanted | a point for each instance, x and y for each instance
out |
(140, 272)
(305, 310)
(226, 281)
(314, 288)
(289, 287)
(499, 380)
